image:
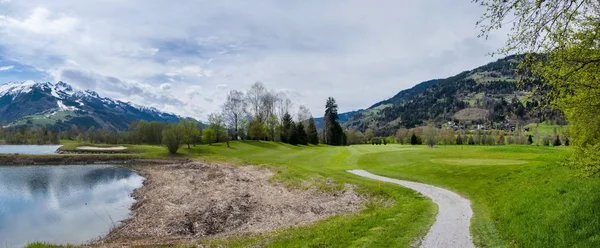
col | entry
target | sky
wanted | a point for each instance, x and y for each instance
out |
(184, 56)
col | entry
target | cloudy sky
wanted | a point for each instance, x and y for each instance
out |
(184, 56)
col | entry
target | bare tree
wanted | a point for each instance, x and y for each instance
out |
(304, 115)
(255, 97)
(431, 135)
(269, 101)
(284, 104)
(234, 110)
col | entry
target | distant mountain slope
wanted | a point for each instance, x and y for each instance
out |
(483, 95)
(343, 117)
(59, 105)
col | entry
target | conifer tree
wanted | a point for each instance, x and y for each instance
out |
(313, 135)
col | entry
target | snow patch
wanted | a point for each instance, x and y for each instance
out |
(64, 107)
(17, 88)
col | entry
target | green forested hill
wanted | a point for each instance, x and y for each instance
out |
(489, 95)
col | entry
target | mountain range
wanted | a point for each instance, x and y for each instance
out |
(60, 106)
(485, 95)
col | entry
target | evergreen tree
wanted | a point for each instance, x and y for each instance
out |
(557, 141)
(333, 132)
(301, 134)
(287, 124)
(293, 134)
(413, 139)
(313, 135)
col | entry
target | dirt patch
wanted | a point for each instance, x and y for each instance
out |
(180, 204)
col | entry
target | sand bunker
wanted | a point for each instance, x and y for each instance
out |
(94, 148)
(479, 161)
(182, 203)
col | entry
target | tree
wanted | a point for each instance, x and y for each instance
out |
(447, 136)
(173, 136)
(330, 129)
(401, 135)
(208, 136)
(471, 140)
(413, 139)
(500, 138)
(92, 134)
(459, 139)
(272, 124)
(354, 137)
(293, 138)
(216, 123)
(431, 135)
(313, 134)
(369, 135)
(74, 132)
(256, 130)
(255, 97)
(284, 105)
(234, 110)
(304, 115)
(286, 127)
(80, 138)
(301, 134)
(190, 131)
(556, 141)
(566, 32)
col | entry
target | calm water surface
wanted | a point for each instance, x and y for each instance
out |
(62, 204)
(29, 149)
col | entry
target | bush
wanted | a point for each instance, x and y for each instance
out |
(173, 136)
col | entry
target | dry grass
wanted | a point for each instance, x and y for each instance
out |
(184, 203)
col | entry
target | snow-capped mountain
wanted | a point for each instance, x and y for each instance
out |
(60, 105)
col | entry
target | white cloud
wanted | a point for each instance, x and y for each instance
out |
(359, 52)
(166, 86)
(6, 68)
(42, 21)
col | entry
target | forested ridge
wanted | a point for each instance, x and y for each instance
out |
(488, 95)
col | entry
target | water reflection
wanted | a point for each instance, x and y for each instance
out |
(62, 204)
(29, 149)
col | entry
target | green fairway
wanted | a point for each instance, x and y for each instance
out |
(521, 196)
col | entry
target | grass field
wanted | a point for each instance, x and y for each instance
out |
(543, 128)
(521, 196)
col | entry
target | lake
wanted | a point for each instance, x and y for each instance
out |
(29, 149)
(63, 204)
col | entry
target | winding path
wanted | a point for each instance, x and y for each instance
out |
(451, 226)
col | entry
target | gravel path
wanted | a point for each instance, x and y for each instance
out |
(451, 227)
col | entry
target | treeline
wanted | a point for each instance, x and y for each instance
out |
(257, 114)
(262, 114)
(432, 136)
(29, 136)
